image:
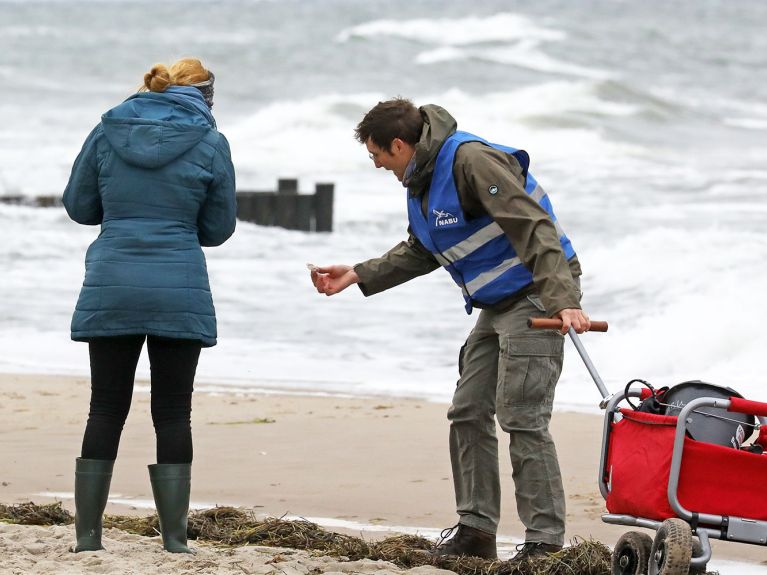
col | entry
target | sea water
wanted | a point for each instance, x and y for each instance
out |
(646, 122)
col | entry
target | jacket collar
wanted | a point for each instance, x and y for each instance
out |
(438, 125)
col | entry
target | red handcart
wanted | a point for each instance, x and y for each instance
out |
(653, 474)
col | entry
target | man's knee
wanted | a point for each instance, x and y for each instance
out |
(474, 413)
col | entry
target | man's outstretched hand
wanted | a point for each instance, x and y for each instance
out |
(333, 279)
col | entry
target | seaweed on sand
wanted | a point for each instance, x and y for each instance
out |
(231, 526)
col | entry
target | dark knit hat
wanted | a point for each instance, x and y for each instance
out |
(206, 88)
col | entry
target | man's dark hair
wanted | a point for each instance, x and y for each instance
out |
(397, 118)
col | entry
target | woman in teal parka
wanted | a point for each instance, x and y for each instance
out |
(158, 177)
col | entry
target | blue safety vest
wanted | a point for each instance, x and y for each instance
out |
(476, 252)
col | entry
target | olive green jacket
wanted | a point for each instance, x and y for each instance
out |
(526, 224)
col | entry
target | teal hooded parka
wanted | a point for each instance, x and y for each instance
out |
(158, 177)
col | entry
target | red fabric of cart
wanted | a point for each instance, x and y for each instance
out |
(714, 479)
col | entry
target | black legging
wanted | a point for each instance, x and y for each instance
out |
(173, 364)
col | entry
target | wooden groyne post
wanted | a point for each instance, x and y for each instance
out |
(33, 201)
(287, 208)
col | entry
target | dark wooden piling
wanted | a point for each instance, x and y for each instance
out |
(285, 207)
(285, 204)
(14, 200)
(323, 207)
(50, 201)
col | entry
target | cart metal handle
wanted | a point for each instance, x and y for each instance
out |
(747, 406)
(544, 323)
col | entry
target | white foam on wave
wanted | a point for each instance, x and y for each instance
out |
(750, 173)
(442, 54)
(43, 173)
(527, 55)
(759, 124)
(512, 118)
(553, 99)
(475, 38)
(502, 27)
(681, 305)
(523, 54)
(313, 137)
(741, 106)
(745, 113)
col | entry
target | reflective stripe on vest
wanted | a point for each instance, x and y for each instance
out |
(475, 252)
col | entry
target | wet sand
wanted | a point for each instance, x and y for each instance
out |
(345, 462)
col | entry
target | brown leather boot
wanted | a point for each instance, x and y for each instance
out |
(467, 541)
(532, 550)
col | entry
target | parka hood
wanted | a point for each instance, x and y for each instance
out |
(438, 124)
(151, 129)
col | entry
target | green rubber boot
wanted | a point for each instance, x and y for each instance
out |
(92, 479)
(171, 483)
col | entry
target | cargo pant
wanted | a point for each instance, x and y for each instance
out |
(509, 371)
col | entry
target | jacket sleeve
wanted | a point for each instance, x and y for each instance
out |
(81, 196)
(218, 214)
(405, 261)
(526, 224)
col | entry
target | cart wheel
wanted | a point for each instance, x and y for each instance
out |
(631, 554)
(671, 549)
(697, 551)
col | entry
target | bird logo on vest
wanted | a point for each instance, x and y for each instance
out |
(444, 218)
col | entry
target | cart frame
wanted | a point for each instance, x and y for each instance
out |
(704, 526)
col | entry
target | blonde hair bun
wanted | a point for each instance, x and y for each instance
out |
(157, 79)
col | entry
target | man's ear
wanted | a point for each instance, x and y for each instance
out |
(399, 146)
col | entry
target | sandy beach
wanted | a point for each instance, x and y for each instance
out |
(362, 465)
